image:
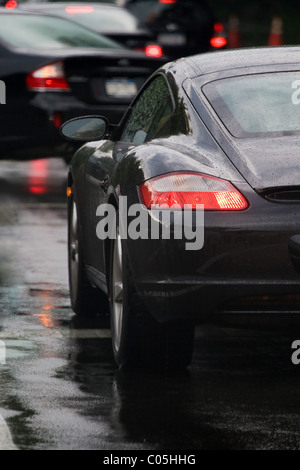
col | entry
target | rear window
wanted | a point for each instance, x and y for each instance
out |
(158, 11)
(103, 19)
(39, 32)
(256, 105)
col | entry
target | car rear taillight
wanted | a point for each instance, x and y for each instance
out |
(153, 50)
(73, 10)
(11, 4)
(57, 119)
(48, 78)
(186, 188)
(218, 40)
(218, 28)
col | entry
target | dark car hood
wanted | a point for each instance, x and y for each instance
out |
(268, 162)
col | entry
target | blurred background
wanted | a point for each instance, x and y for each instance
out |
(247, 22)
(102, 54)
(252, 20)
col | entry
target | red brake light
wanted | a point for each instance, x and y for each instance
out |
(73, 10)
(11, 4)
(191, 189)
(153, 51)
(218, 28)
(48, 78)
(218, 41)
(57, 119)
(167, 1)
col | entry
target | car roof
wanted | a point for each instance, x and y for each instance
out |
(239, 58)
(50, 8)
(53, 5)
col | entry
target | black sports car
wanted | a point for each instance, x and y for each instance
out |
(188, 210)
(53, 70)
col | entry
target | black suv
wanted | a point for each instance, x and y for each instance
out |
(181, 27)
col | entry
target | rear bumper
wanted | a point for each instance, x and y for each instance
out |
(244, 267)
(202, 300)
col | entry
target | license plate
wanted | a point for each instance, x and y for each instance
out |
(172, 39)
(120, 87)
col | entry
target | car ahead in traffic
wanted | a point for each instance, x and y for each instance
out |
(188, 210)
(181, 27)
(54, 69)
(109, 20)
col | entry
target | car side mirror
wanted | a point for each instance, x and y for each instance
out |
(85, 128)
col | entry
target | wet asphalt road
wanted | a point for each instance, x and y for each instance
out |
(59, 387)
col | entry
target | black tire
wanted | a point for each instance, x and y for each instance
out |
(137, 339)
(86, 300)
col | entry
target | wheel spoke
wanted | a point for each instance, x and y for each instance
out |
(74, 249)
(117, 292)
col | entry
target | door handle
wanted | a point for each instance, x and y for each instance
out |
(105, 183)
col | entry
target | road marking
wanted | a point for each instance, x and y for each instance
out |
(6, 442)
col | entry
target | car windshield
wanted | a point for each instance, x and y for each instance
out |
(39, 32)
(259, 104)
(99, 19)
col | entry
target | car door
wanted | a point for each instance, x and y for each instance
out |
(98, 171)
(145, 118)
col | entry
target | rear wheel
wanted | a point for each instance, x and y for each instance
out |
(85, 299)
(137, 339)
